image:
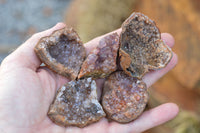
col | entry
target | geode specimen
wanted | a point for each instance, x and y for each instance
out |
(102, 60)
(141, 47)
(76, 104)
(124, 97)
(62, 52)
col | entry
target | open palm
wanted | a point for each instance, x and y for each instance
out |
(27, 90)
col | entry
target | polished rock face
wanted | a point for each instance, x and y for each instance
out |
(102, 60)
(63, 52)
(76, 104)
(124, 97)
(141, 47)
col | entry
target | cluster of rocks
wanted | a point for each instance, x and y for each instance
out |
(123, 60)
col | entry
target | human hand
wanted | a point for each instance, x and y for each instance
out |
(27, 90)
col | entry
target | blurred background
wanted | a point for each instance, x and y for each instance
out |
(22, 18)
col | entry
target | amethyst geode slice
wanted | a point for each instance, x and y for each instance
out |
(76, 104)
(62, 51)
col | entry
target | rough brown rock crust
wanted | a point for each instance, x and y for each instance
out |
(141, 47)
(102, 60)
(76, 104)
(124, 97)
(62, 52)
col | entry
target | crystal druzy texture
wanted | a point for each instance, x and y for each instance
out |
(76, 104)
(141, 47)
(102, 60)
(124, 97)
(62, 51)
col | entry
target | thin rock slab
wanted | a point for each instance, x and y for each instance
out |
(141, 47)
(76, 104)
(102, 60)
(124, 97)
(62, 51)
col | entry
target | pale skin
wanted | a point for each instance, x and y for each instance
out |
(27, 90)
